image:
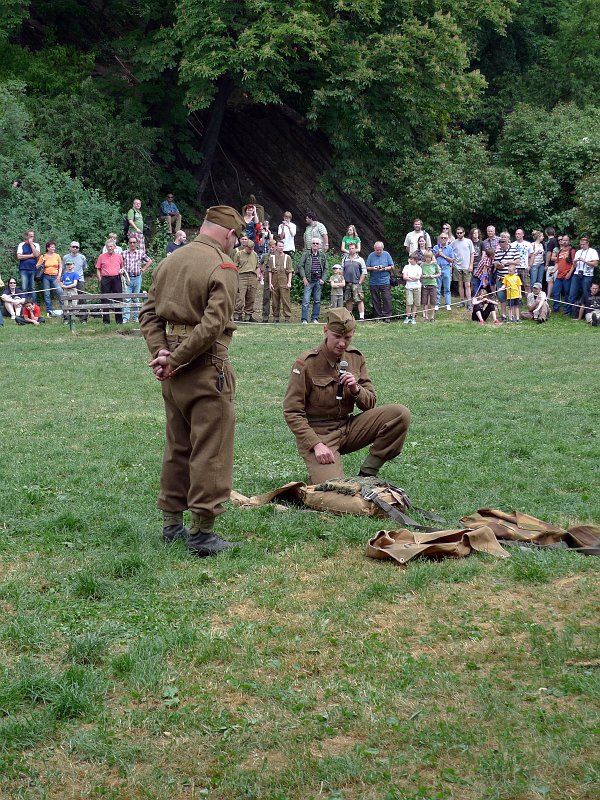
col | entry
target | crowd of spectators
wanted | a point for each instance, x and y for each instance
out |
(501, 278)
(62, 279)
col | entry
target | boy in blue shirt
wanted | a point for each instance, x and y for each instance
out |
(68, 283)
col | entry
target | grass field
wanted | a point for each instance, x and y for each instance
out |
(295, 667)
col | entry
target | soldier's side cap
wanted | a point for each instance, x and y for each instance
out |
(226, 217)
(341, 321)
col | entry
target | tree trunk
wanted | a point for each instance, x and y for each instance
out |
(210, 139)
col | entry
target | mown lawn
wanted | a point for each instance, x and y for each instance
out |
(295, 667)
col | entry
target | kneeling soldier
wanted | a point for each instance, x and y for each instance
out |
(321, 397)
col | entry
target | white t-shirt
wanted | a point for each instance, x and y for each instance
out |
(589, 254)
(412, 239)
(412, 275)
(288, 232)
(524, 249)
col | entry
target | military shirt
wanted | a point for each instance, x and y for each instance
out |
(280, 266)
(195, 286)
(246, 262)
(312, 388)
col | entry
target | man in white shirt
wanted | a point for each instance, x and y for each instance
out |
(524, 249)
(412, 237)
(585, 262)
(287, 231)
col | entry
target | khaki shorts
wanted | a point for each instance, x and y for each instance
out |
(413, 296)
(462, 275)
(354, 292)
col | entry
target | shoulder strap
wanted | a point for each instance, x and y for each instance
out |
(372, 495)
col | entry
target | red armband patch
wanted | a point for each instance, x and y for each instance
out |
(228, 266)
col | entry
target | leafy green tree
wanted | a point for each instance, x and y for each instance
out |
(83, 134)
(13, 14)
(54, 204)
(575, 58)
(377, 77)
(551, 153)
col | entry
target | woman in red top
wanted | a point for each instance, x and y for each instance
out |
(565, 264)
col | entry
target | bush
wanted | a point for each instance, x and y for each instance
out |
(54, 204)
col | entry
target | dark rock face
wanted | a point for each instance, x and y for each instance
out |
(269, 152)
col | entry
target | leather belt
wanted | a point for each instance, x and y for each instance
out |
(179, 329)
(317, 420)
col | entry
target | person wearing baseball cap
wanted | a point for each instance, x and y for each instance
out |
(537, 304)
(325, 386)
(187, 323)
(78, 263)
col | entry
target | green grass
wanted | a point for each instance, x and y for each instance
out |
(294, 667)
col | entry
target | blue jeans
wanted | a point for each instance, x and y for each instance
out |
(28, 283)
(580, 286)
(444, 280)
(135, 287)
(51, 282)
(561, 286)
(536, 273)
(313, 290)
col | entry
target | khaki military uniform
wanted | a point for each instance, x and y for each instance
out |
(247, 264)
(315, 416)
(280, 268)
(266, 292)
(188, 312)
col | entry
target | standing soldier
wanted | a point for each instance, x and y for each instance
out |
(246, 261)
(188, 335)
(264, 278)
(280, 282)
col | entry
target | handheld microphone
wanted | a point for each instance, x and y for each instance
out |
(340, 388)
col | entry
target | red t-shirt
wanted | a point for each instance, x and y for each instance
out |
(34, 313)
(564, 261)
(109, 264)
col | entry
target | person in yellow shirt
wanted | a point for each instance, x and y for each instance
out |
(512, 284)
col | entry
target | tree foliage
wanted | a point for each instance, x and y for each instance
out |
(49, 200)
(470, 110)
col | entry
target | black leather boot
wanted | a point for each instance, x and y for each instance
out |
(203, 544)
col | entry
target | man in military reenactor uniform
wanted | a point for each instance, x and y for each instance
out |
(246, 261)
(187, 324)
(324, 426)
(280, 282)
(264, 277)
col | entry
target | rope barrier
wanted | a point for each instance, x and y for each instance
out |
(420, 312)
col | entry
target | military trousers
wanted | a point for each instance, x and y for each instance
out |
(246, 295)
(280, 299)
(382, 427)
(266, 301)
(197, 469)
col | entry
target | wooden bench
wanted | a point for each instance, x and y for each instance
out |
(100, 305)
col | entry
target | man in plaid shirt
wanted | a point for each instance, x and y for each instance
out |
(135, 263)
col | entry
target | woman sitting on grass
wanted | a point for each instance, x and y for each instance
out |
(12, 300)
(484, 307)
